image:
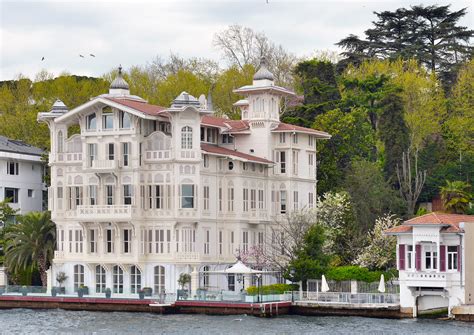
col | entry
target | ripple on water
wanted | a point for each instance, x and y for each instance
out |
(24, 321)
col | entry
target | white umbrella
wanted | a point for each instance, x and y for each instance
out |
(324, 284)
(382, 284)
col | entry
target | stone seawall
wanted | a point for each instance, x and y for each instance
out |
(82, 304)
(389, 312)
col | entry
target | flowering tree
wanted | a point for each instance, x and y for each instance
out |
(254, 257)
(380, 253)
(335, 213)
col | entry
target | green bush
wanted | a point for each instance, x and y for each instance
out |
(272, 289)
(342, 273)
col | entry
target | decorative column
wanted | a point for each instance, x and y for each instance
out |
(49, 281)
(194, 281)
(3, 276)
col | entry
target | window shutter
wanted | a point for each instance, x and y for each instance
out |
(442, 259)
(459, 258)
(401, 256)
(418, 257)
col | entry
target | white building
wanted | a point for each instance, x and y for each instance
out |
(431, 260)
(21, 175)
(144, 193)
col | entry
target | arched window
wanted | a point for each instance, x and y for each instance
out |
(78, 276)
(186, 137)
(91, 122)
(60, 141)
(100, 279)
(159, 279)
(118, 279)
(135, 279)
(205, 276)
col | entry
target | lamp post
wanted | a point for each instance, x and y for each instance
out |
(259, 284)
(292, 274)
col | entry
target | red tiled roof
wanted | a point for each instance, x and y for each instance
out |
(143, 107)
(285, 127)
(449, 223)
(399, 229)
(232, 125)
(214, 149)
(440, 218)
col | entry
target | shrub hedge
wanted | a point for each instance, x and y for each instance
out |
(272, 289)
(341, 273)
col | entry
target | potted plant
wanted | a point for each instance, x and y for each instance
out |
(24, 291)
(183, 280)
(61, 277)
(141, 294)
(148, 291)
(80, 292)
(85, 289)
(108, 293)
(54, 291)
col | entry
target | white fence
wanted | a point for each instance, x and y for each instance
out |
(392, 287)
(348, 298)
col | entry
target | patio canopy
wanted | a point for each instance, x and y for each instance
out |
(240, 268)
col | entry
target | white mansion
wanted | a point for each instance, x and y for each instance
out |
(144, 193)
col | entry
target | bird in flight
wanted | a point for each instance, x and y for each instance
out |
(42, 59)
(92, 55)
(81, 56)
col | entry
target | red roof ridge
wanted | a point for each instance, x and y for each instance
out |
(212, 148)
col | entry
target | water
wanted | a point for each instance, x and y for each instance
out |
(23, 321)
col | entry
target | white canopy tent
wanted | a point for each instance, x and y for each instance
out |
(242, 269)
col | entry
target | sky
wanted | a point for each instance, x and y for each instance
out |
(135, 32)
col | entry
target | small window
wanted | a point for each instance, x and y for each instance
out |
(127, 194)
(231, 165)
(245, 166)
(295, 138)
(125, 121)
(282, 137)
(187, 196)
(30, 193)
(186, 138)
(12, 168)
(108, 120)
(11, 194)
(91, 122)
(206, 161)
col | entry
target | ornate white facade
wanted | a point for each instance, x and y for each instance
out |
(144, 193)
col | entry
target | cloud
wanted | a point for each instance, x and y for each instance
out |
(133, 33)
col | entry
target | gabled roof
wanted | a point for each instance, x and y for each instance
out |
(18, 147)
(228, 125)
(221, 151)
(448, 223)
(285, 127)
(140, 106)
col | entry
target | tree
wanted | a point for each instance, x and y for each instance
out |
(287, 237)
(335, 213)
(311, 261)
(30, 243)
(371, 195)
(431, 34)
(243, 46)
(456, 196)
(352, 139)
(393, 132)
(317, 80)
(411, 184)
(380, 252)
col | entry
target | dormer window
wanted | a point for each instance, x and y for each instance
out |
(125, 120)
(91, 122)
(186, 137)
(227, 139)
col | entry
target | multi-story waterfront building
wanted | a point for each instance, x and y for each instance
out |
(144, 193)
(21, 175)
(433, 263)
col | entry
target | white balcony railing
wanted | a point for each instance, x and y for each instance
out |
(104, 164)
(187, 256)
(157, 155)
(104, 212)
(428, 279)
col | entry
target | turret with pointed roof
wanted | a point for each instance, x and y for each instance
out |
(119, 86)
